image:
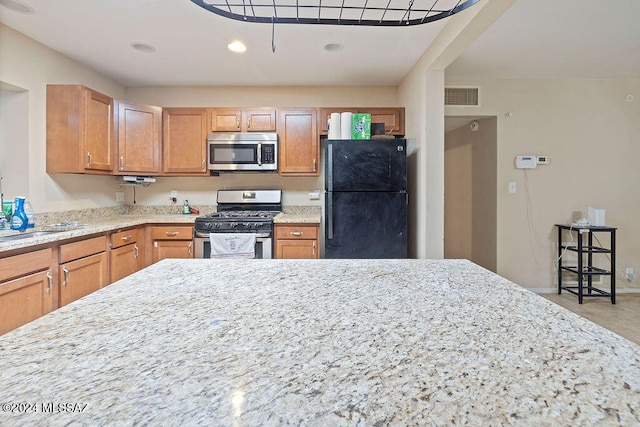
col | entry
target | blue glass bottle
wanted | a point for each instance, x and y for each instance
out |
(19, 219)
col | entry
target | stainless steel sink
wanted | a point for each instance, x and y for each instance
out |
(25, 236)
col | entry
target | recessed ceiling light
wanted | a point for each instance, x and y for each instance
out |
(141, 47)
(17, 6)
(333, 47)
(237, 47)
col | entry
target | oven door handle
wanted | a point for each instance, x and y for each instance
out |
(206, 235)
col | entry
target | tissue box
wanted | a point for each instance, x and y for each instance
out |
(596, 216)
(361, 126)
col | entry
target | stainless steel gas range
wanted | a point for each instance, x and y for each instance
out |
(240, 211)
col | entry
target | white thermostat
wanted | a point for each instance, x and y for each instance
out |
(526, 162)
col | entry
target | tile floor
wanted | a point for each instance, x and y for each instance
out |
(622, 318)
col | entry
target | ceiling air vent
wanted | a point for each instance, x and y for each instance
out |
(462, 96)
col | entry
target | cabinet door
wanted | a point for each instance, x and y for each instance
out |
(393, 119)
(25, 299)
(123, 261)
(299, 142)
(79, 130)
(226, 120)
(172, 249)
(325, 115)
(139, 138)
(82, 277)
(296, 249)
(98, 131)
(184, 141)
(261, 120)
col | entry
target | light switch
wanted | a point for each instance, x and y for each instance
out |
(512, 187)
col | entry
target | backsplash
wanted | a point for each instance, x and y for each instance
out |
(84, 215)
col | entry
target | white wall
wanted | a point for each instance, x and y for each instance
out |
(30, 66)
(592, 135)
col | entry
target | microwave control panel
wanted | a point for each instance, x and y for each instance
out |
(268, 154)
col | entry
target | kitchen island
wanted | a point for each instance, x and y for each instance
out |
(316, 342)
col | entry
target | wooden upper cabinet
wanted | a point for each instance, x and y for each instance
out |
(243, 120)
(139, 129)
(184, 141)
(393, 118)
(80, 131)
(299, 142)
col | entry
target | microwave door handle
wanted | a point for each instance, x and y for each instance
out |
(259, 153)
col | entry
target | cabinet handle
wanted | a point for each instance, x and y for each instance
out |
(237, 123)
(202, 165)
(137, 251)
(315, 165)
(126, 238)
(314, 248)
(66, 276)
(121, 162)
(90, 157)
(248, 123)
(172, 233)
(296, 233)
(50, 277)
(189, 248)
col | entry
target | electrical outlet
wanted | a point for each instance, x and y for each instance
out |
(314, 195)
(174, 197)
(119, 196)
(512, 187)
(629, 274)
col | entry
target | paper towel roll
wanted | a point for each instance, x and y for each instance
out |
(345, 125)
(334, 126)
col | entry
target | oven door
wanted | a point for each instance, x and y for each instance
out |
(263, 248)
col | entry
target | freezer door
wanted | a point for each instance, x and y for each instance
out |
(369, 165)
(365, 225)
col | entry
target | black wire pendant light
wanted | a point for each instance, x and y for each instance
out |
(394, 13)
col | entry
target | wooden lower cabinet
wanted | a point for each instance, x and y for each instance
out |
(123, 261)
(26, 288)
(83, 268)
(125, 256)
(171, 241)
(297, 241)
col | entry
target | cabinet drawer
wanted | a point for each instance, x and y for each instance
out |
(20, 265)
(25, 299)
(296, 232)
(125, 237)
(172, 233)
(83, 248)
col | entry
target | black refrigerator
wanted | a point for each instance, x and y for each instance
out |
(365, 198)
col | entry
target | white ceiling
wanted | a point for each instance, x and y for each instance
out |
(534, 38)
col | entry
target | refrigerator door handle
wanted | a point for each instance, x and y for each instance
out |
(330, 217)
(329, 176)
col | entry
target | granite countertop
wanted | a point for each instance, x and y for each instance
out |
(104, 220)
(97, 225)
(316, 342)
(299, 214)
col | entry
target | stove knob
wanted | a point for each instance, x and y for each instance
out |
(217, 226)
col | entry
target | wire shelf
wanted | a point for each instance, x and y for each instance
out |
(394, 13)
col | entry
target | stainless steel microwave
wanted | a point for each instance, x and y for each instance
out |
(242, 151)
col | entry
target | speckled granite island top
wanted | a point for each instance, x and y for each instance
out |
(317, 342)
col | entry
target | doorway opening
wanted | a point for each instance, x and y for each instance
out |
(470, 189)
